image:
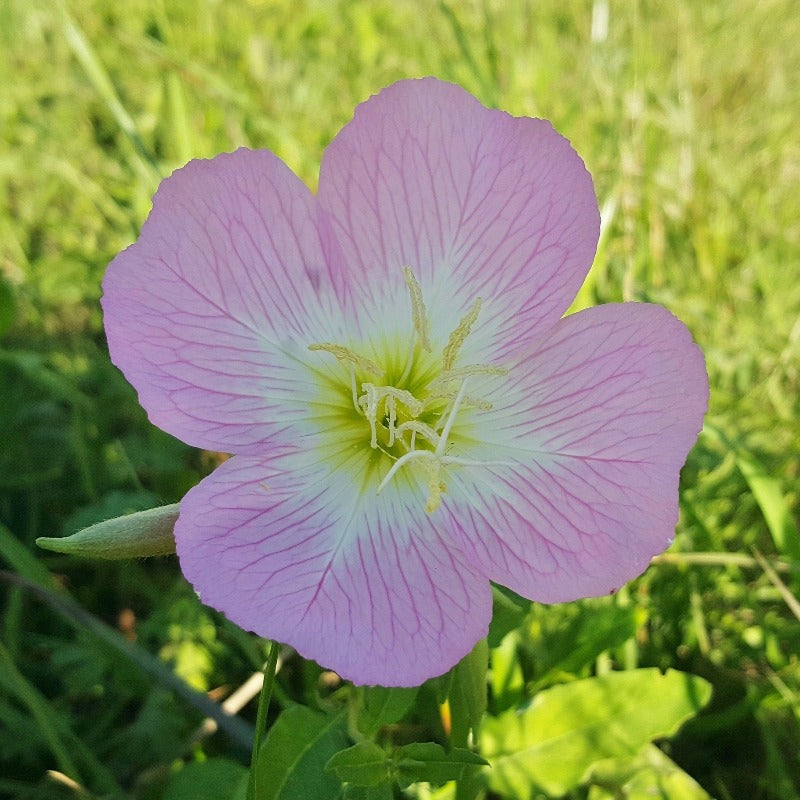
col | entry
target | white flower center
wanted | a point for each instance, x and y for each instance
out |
(410, 419)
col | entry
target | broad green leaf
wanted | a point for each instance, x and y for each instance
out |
(383, 791)
(552, 744)
(650, 776)
(381, 705)
(215, 779)
(428, 761)
(144, 533)
(364, 764)
(468, 695)
(769, 495)
(368, 765)
(292, 759)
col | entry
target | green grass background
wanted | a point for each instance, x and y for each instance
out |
(686, 114)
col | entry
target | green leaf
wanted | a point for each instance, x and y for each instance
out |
(552, 744)
(769, 495)
(381, 705)
(292, 759)
(650, 776)
(428, 761)
(144, 533)
(215, 779)
(383, 791)
(365, 764)
(368, 765)
(599, 626)
(468, 695)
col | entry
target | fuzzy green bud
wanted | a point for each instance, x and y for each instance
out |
(144, 533)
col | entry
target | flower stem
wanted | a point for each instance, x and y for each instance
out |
(261, 716)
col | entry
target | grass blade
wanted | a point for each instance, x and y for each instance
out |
(768, 493)
(238, 730)
(39, 708)
(100, 80)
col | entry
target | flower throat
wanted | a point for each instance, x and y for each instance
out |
(416, 428)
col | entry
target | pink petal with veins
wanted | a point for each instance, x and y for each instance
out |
(474, 201)
(367, 585)
(209, 313)
(564, 489)
(596, 421)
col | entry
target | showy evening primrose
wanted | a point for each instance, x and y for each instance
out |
(410, 415)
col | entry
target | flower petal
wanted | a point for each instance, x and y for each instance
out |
(362, 584)
(474, 201)
(209, 311)
(597, 421)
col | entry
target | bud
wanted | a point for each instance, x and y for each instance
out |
(144, 533)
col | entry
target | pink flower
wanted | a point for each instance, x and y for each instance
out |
(410, 416)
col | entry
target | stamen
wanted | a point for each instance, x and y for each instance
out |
(391, 409)
(370, 402)
(413, 405)
(435, 486)
(417, 427)
(468, 400)
(448, 426)
(465, 372)
(458, 336)
(471, 462)
(345, 354)
(401, 462)
(444, 398)
(434, 459)
(418, 315)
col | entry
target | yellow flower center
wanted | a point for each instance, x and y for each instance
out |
(409, 417)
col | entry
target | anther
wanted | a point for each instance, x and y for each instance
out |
(458, 336)
(465, 372)
(418, 315)
(346, 355)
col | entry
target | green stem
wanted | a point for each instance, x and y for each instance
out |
(261, 717)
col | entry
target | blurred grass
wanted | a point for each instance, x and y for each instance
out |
(686, 115)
